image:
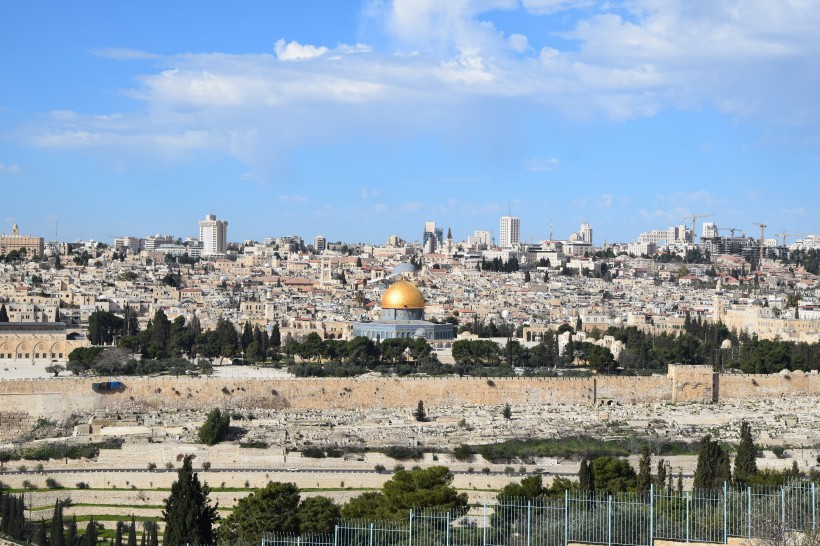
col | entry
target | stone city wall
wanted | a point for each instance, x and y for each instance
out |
(56, 398)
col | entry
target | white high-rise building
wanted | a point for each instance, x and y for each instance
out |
(710, 230)
(213, 234)
(319, 244)
(510, 232)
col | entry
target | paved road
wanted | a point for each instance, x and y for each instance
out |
(292, 470)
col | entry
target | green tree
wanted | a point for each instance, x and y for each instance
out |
(4, 316)
(506, 412)
(275, 336)
(712, 469)
(132, 533)
(420, 414)
(71, 535)
(57, 538)
(660, 479)
(90, 537)
(613, 475)
(188, 514)
(273, 508)
(644, 479)
(530, 488)
(318, 515)
(586, 476)
(118, 534)
(366, 506)
(745, 457)
(215, 427)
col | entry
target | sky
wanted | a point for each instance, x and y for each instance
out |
(362, 119)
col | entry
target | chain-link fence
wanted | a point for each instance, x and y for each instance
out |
(621, 519)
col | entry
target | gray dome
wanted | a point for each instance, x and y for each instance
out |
(404, 269)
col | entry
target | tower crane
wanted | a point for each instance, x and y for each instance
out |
(784, 235)
(762, 239)
(731, 230)
(694, 217)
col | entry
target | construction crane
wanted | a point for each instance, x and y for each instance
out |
(732, 230)
(784, 235)
(762, 239)
(694, 217)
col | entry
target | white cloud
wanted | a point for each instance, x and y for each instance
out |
(449, 71)
(540, 165)
(294, 51)
(10, 169)
(412, 207)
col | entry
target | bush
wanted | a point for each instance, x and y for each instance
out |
(463, 453)
(206, 465)
(257, 444)
(51, 483)
(312, 452)
(486, 470)
(215, 427)
(379, 468)
(779, 451)
(152, 466)
(403, 453)
(28, 485)
(82, 485)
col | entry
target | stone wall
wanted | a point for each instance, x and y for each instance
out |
(14, 424)
(59, 397)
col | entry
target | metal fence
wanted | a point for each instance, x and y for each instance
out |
(621, 519)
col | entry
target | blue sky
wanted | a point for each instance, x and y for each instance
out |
(359, 120)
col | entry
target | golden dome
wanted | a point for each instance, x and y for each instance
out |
(402, 295)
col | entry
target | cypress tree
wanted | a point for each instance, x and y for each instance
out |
(118, 535)
(660, 481)
(4, 316)
(680, 482)
(644, 471)
(745, 463)
(90, 538)
(188, 514)
(275, 336)
(5, 507)
(57, 538)
(586, 479)
(132, 533)
(40, 538)
(71, 536)
(154, 538)
(713, 465)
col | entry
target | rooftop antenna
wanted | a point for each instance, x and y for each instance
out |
(550, 229)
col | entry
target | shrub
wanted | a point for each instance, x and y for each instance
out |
(82, 485)
(28, 485)
(463, 453)
(215, 427)
(51, 483)
(403, 453)
(778, 451)
(169, 465)
(256, 444)
(152, 466)
(379, 468)
(206, 465)
(313, 452)
(486, 470)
